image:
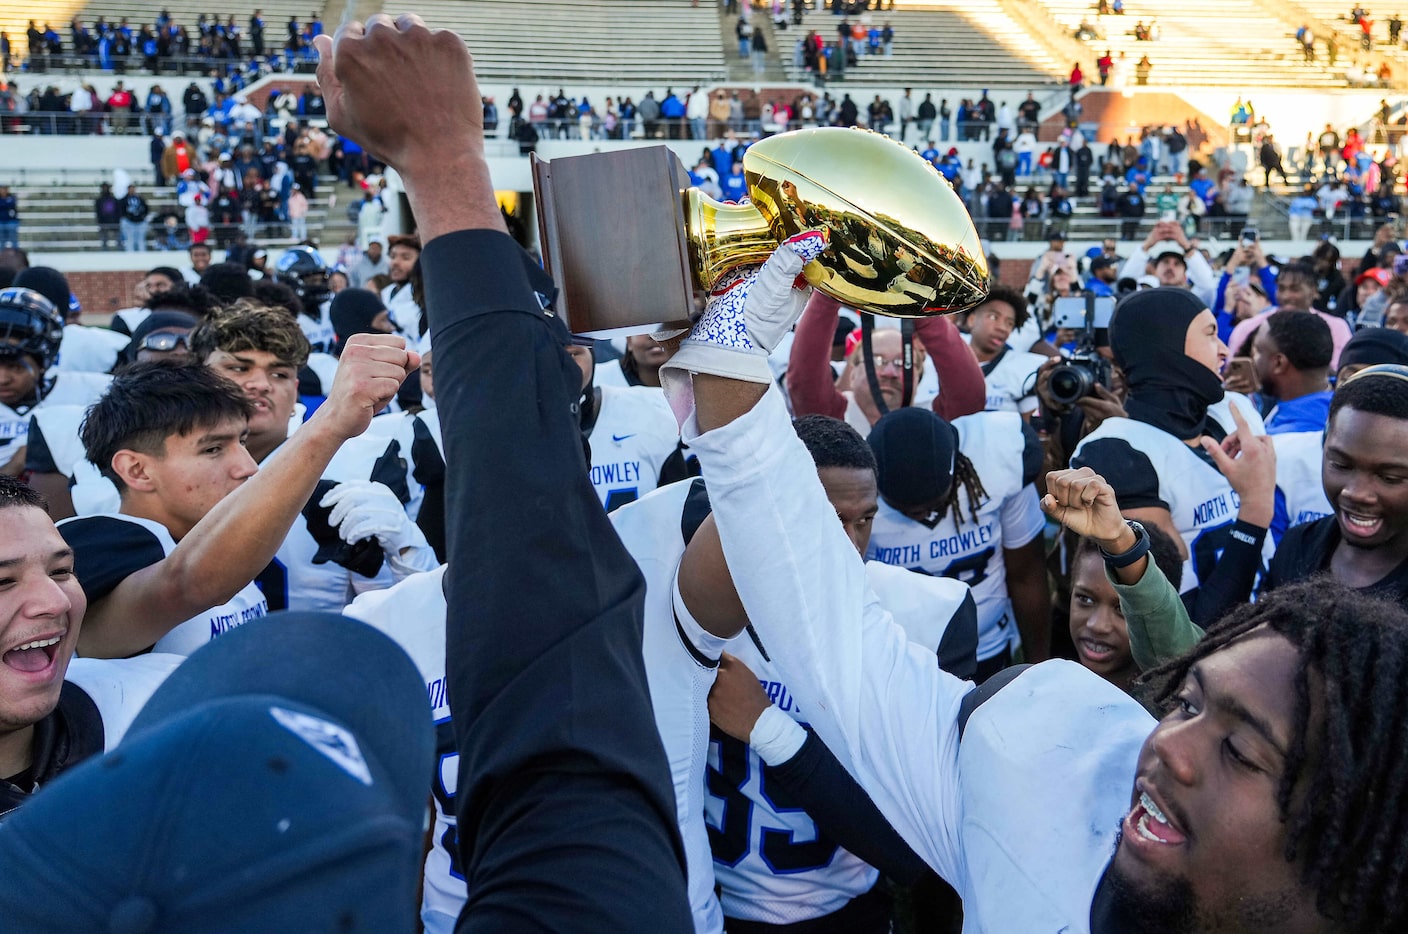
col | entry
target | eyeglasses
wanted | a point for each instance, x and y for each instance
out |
(164, 342)
(881, 361)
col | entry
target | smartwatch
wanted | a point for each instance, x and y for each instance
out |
(1125, 558)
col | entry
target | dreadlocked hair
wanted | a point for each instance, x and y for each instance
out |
(966, 476)
(1341, 793)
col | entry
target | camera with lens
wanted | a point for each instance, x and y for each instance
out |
(1076, 377)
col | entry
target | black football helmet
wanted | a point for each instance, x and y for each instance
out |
(29, 326)
(303, 269)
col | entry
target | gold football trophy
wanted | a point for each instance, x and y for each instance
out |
(629, 244)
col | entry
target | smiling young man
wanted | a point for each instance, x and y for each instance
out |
(1048, 798)
(55, 710)
(1364, 543)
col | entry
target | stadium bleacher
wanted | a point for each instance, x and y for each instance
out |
(943, 45)
(1203, 43)
(568, 41)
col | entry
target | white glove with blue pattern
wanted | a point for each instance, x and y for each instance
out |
(749, 311)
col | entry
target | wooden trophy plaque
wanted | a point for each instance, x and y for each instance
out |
(612, 230)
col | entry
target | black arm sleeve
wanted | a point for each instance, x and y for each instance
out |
(1231, 581)
(565, 805)
(678, 467)
(37, 457)
(844, 812)
(958, 649)
(1130, 472)
(106, 551)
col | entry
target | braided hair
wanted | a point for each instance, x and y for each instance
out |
(966, 476)
(1349, 745)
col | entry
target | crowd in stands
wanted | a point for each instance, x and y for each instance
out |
(165, 46)
(1359, 70)
(227, 172)
(1038, 615)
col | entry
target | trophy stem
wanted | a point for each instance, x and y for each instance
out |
(723, 237)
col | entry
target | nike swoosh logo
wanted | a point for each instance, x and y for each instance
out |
(619, 438)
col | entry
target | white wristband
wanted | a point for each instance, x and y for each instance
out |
(776, 737)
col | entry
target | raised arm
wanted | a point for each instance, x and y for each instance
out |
(802, 584)
(228, 548)
(804, 589)
(962, 389)
(811, 384)
(565, 808)
(1159, 628)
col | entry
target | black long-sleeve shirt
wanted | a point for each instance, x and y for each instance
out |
(565, 806)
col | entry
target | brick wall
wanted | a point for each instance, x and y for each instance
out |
(102, 293)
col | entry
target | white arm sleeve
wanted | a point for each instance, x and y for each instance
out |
(1022, 518)
(1136, 265)
(1201, 278)
(877, 700)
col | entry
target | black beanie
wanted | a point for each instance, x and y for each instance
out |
(915, 451)
(1375, 345)
(352, 311)
(50, 283)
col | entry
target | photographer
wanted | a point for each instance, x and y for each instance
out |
(1187, 458)
(1171, 257)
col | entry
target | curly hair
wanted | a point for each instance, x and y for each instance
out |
(1341, 794)
(247, 325)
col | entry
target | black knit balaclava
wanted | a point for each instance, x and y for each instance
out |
(1167, 388)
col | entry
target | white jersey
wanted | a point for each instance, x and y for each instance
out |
(1045, 770)
(772, 863)
(110, 548)
(1009, 516)
(635, 433)
(69, 388)
(319, 330)
(324, 366)
(403, 308)
(120, 687)
(90, 350)
(413, 613)
(1011, 381)
(131, 317)
(1300, 491)
(1148, 467)
(609, 373)
(681, 660)
(292, 581)
(422, 449)
(55, 443)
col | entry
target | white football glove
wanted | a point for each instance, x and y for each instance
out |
(367, 509)
(748, 313)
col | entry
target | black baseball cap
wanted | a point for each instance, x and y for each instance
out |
(276, 781)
